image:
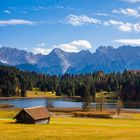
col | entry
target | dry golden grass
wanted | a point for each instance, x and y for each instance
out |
(72, 129)
(8, 113)
(40, 94)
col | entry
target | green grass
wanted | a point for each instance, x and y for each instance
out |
(71, 129)
(40, 94)
(107, 95)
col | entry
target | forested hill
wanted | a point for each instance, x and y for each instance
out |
(14, 82)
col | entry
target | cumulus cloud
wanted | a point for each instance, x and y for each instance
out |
(127, 11)
(74, 46)
(15, 22)
(82, 43)
(81, 20)
(128, 41)
(40, 50)
(131, 1)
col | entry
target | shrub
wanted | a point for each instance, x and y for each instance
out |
(6, 106)
(92, 114)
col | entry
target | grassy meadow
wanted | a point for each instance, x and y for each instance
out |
(70, 128)
(40, 94)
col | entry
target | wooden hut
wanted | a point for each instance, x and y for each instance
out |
(33, 115)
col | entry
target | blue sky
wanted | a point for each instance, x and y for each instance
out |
(72, 25)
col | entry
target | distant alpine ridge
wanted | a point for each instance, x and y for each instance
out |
(107, 59)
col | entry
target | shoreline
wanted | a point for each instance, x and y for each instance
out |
(77, 109)
(39, 97)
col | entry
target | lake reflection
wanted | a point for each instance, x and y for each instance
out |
(58, 102)
(62, 102)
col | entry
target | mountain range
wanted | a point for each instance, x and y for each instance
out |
(107, 59)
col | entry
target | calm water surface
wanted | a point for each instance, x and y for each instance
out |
(62, 102)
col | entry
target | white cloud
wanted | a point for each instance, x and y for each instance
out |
(128, 41)
(131, 1)
(26, 49)
(7, 11)
(125, 27)
(113, 22)
(67, 47)
(127, 11)
(81, 20)
(137, 27)
(101, 14)
(15, 22)
(41, 44)
(122, 26)
(41, 51)
(84, 43)
(59, 6)
(37, 8)
(74, 46)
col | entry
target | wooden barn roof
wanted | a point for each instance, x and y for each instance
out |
(37, 113)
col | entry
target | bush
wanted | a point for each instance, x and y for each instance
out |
(92, 115)
(6, 106)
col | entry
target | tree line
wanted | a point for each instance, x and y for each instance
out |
(14, 82)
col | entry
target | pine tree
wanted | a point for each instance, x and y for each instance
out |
(100, 100)
(87, 98)
(23, 91)
(119, 105)
(93, 91)
(58, 91)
